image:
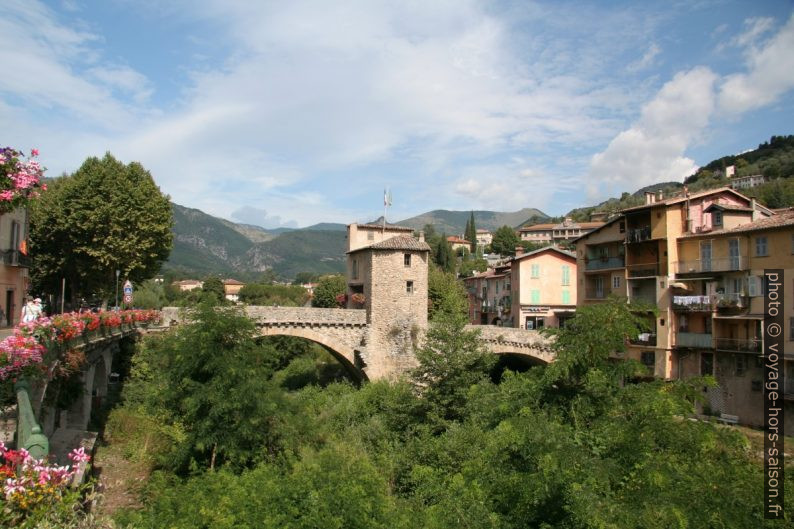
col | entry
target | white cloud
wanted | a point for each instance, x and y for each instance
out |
(770, 71)
(652, 150)
(260, 217)
(754, 29)
(646, 60)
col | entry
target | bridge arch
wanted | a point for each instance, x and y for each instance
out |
(342, 352)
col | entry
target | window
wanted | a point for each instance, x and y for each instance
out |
(761, 247)
(791, 329)
(716, 218)
(407, 260)
(535, 295)
(566, 297)
(534, 323)
(354, 269)
(706, 363)
(14, 235)
(683, 323)
(370, 235)
(648, 359)
(409, 287)
(615, 282)
(535, 271)
(741, 364)
(755, 287)
(566, 275)
(622, 226)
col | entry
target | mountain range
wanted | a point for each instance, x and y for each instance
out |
(206, 245)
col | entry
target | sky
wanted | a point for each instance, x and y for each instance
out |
(286, 114)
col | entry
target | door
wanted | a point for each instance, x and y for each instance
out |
(599, 287)
(733, 253)
(8, 320)
(705, 256)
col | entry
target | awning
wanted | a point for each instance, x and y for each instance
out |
(570, 311)
(740, 317)
(679, 284)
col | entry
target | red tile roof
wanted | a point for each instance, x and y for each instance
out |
(781, 220)
(401, 242)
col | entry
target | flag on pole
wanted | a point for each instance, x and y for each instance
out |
(386, 197)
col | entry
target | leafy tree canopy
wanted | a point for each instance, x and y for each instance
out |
(505, 241)
(107, 216)
(327, 290)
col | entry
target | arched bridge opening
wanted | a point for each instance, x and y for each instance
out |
(516, 361)
(342, 352)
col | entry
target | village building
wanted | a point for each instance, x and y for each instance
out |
(14, 277)
(556, 233)
(231, 289)
(457, 243)
(484, 238)
(543, 288)
(489, 297)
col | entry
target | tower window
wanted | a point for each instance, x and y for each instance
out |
(407, 259)
(409, 287)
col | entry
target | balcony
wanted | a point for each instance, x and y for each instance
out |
(643, 269)
(645, 338)
(732, 302)
(693, 339)
(638, 234)
(724, 264)
(693, 303)
(604, 263)
(15, 258)
(738, 345)
(593, 293)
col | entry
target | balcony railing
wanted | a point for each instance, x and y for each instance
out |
(643, 269)
(693, 303)
(737, 345)
(604, 263)
(638, 234)
(644, 338)
(643, 298)
(722, 264)
(15, 258)
(693, 339)
(726, 302)
(592, 293)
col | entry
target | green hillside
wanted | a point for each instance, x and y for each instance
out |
(454, 222)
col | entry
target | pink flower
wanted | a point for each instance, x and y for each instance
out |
(78, 455)
(34, 152)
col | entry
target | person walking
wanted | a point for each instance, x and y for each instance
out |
(38, 309)
(29, 311)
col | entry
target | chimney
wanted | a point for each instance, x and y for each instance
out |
(686, 192)
(650, 198)
(754, 206)
(421, 235)
(659, 195)
(519, 250)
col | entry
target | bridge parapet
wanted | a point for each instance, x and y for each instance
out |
(510, 340)
(302, 316)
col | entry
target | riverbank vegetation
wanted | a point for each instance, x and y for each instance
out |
(244, 433)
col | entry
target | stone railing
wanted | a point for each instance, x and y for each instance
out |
(307, 315)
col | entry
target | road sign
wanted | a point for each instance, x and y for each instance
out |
(127, 288)
(128, 299)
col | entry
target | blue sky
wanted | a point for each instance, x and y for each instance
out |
(292, 113)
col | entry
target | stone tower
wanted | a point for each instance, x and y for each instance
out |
(388, 278)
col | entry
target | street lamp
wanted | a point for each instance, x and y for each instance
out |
(118, 272)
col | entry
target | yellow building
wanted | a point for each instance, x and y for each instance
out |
(14, 278)
(543, 288)
(489, 297)
(635, 255)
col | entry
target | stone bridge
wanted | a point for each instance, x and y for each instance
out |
(347, 335)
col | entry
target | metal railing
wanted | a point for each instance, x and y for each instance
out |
(29, 434)
(592, 293)
(740, 345)
(604, 263)
(721, 264)
(645, 338)
(638, 234)
(15, 258)
(693, 303)
(693, 339)
(731, 301)
(643, 269)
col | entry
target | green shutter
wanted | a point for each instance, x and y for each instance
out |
(535, 270)
(566, 297)
(566, 275)
(535, 297)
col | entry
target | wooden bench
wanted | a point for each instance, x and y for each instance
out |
(728, 419)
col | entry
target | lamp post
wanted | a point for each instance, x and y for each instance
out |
(118, 272)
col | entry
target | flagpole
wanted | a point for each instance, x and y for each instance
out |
(385, 205)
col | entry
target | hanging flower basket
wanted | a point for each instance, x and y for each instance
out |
(20, 179)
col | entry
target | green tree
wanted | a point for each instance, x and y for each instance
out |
(213, 289)
(305, 277)
(444, 256)
(107, 216)
(445, 294)
(451, 360)
(327, 290)
(267, 294)
(471, 233)
(505, 241)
